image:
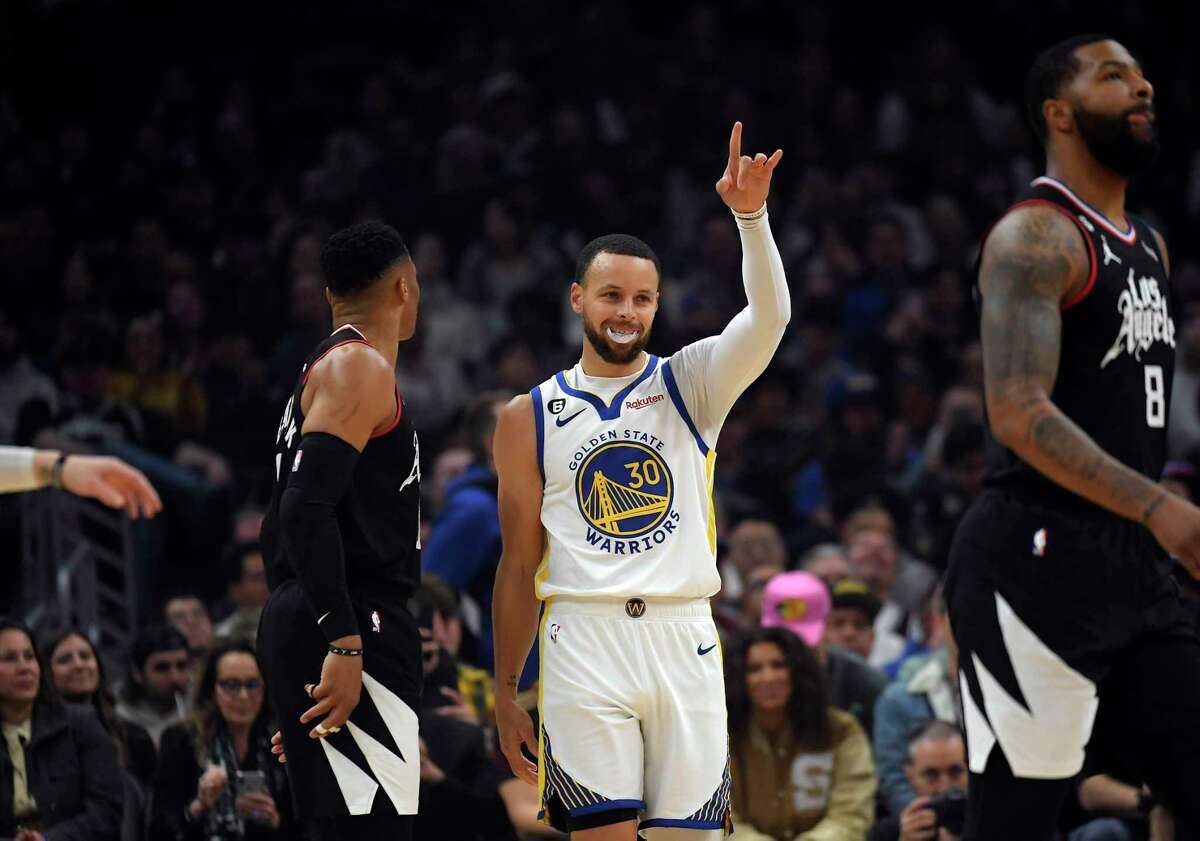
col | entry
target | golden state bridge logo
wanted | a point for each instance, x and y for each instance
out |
(624, 490)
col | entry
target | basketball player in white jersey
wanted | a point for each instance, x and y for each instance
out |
(605, 496)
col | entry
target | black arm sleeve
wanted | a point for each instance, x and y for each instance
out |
(309, 533)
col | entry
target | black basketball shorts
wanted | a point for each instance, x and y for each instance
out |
(372, 766)
(1061, 622)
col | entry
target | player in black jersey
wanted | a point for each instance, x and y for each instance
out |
(1071, 630)
(342, 541)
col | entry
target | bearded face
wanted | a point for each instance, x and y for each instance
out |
(1126, 143)
(612, 343)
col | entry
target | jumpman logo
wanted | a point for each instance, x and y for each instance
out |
(1109, 257)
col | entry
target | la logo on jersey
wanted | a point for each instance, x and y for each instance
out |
(1144, 319)
(624, 490)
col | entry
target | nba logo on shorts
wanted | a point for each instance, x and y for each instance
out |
(1039, 543)
(554, 629)
(375, 621)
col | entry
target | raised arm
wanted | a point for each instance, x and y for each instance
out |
(351, 394)
(1033, 260)
(715, 372)
(514, 603)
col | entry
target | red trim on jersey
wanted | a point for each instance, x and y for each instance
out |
(328, 351)
(1091, 281)
(395, 420)
(349, 326)
(1128, 237)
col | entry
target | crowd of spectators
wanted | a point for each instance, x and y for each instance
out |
(167, 176)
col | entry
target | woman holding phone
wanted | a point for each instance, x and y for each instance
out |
(216, 777)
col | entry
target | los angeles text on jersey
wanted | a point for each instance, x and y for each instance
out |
(625, 491)
(1145, 319)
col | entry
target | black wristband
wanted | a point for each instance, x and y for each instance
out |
(56, 471)
(345, 652)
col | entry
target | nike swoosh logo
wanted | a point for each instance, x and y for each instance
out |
(561, 422)
(323, 618)
(701, 650)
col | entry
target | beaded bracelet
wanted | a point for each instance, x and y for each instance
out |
(345, 652)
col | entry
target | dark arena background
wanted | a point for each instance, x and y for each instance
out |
(169, 172)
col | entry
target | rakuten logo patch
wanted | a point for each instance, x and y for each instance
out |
(643, 402)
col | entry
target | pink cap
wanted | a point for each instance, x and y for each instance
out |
(798, 601)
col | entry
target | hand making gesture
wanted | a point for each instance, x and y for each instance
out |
(746, 181)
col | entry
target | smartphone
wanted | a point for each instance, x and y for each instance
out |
(251, 782)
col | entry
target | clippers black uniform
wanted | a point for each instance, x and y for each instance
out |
(1061, 608)
(371, 766)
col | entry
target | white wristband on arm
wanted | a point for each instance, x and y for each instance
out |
(747, 221)
(16, 470)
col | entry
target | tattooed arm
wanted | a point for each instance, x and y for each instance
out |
(1033, 260)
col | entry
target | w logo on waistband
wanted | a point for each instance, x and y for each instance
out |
(635, 608)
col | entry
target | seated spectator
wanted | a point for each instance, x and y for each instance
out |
(801, 768)
(217, 779)
(460, 782)
(852, 625)
(464, 546)
(154, 693)
(935, 764)
(187, 614)
(752, 543)
(800, 602)
(900, 583)
(147, 381)
(77, 674)
(450, 679)
(926, 690)
(827, 561)
(247, 588)
(59, 777)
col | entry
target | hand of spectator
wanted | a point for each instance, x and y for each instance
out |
(259, 807)
(918, 822)
(113, 482)
(338, 692)
(458, 708)
(29, 835)
(277, 747)
(746, 181)
(516, 728)
(212, 783)
(430, 772)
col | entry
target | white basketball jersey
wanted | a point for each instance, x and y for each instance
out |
(627, 501)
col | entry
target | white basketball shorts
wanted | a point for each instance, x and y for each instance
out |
(632, 705)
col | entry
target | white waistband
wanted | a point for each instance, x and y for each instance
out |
(637, 607)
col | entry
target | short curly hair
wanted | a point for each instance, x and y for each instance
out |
(1051, 71)
(355, 257)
